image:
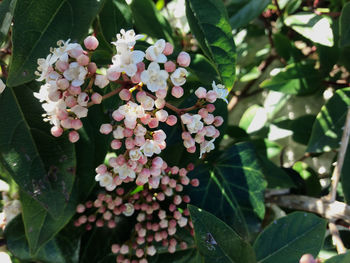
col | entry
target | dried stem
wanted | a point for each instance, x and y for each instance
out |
(336, 238)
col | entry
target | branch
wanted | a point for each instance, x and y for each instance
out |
(329, 210)
(336, 238)
(340, 161)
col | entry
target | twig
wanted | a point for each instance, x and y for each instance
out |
(329, 210)
(340, 161)
(279, 12)
(336, 238)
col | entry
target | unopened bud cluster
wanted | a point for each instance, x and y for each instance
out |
(160, 212)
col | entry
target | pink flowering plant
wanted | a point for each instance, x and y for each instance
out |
(115, 142)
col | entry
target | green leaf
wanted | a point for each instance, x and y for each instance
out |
(310, 177)
(327, 129)
(115, 15)
(231, 187)
(60, 250)
(208, 22)
(203, 69)
(296, 78)
(216, 241)
(283, 45)
(345, 26)
(244, 11)
(253, 119)
(345, 178)
(190, 255)
(43, 166)
(293, 5)
(288, 238)
(37, 29)
(343, 258)
(6, 14)
(150, 21)
(311, 26)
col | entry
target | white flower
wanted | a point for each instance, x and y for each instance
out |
(75, 73)
(220, 91)
(2, 86)
(105, 180)
(129, 38)
(131, 111)
(124, 171)
(101, 81)
(178, 78)
(155, 52)
(129, 211)
(154, 78)
(147, 103)
(118, 133)
(150, 147)
(151, 250)
(195, 125)
(182, 221)
(135, 154)
(44, 68)
(126, 60)
(176, 15)
(80, 111)
(60, 53)
(206, 147)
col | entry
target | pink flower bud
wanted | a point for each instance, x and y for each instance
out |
(201, 93)
(124, 249)
(56, 131)
(63, 84)
(92, 68)
(191, 149)
(211, 96)
(159, 103)
(70, 101)
(157, 162)
(73, 136)
(125, 94)
(162, 115)
(153, 123)
(159, 136)
(74, 90)
(80, 208)
(77, 124)
(115, 248)
(129, 143)
(91, 42)
(83, 60)
(210, 108)
(112, 74)
(177, 92)
(209, 119)
(140, 66)
(62, 65)
(161, 94)
(96, 98)
(169, 66)
(172, 120)
(117, 115)
(307, 258)
(186, 136)
(218, 121)
(160, 196)
(186, 199)
(203, 113)
(139, 253)
(106, 128)
(183, 59)
(136, 78)
(140, 96)
(168, 49)
(195, 182)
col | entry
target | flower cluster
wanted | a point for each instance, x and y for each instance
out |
(65, 70)
(160, 212)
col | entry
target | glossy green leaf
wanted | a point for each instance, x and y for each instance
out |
(327, 129)
(203, 69)
(231, 187)
(39, 25)
(345, 26)
(243, 12)
(296, 78)
(62, 249)
(293, 6)
(311, 26)
(149, 20)
(345, 178)
(41, 165)
(310, 177)
(6, 14)
(216, 241)
(208, 22)
(288, 238)
(343, 258)
(190, 255)
(283, 45)
(253, 119)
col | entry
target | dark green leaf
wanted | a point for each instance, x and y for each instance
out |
(216, 241)
(327, 129)
(296, 78)
(39, 25)
(345, 178)
(41, 165)
(231, 187)
(293, 6)
(343, 258)
(288, 238)
(283, 45)
(244, 11)
(311, 26)
(203, 69)
(275, 176)
(149, 20)
(310, 177)
(6, 14)
(208, 22)
(345, 26)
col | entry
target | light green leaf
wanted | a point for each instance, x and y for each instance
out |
(216, 241)
(208, 22)
(253, 119)
(345, 26)
(231, 187)
(311, 26)
(327, 129)
(244, 11)
(296, 78)
(343, 258)
(37, 29)
(288, 238)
